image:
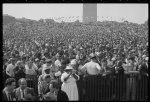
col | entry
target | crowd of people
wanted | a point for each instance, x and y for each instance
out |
(45, 60)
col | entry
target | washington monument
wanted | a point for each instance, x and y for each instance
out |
(89, 13)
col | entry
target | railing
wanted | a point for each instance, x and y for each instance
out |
(114, 87)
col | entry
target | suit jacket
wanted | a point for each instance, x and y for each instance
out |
(27, 91)
(5, 98)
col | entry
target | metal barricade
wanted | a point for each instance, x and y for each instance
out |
(120, 87)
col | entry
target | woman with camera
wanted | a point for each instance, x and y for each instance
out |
(69, 85)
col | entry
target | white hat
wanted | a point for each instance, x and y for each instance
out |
(73, 62)
(146, 58)
(46, 44)
(36, 59)
(58, 73)
(113, 59)
(68, 67)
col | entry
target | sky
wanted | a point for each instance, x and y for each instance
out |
(136, 13)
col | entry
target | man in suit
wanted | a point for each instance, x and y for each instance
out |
(23, 92)
(8, 91)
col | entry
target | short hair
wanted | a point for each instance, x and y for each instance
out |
(9, 81)
(55, 84)
(19, 81)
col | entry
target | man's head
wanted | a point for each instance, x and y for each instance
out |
(10, 83)
(47, 78)
(22, 83)
(54, 86)
(48, 62)
(47, 71)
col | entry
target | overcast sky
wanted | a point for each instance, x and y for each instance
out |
(137, 13)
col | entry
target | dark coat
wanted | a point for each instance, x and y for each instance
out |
(4, 96)
(62, 96)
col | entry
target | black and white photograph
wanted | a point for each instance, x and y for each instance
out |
(75, 51)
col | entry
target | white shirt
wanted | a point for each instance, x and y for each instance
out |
(57, 63)
(30, 71)
(21, 91)
(10, 70)
(92, 68)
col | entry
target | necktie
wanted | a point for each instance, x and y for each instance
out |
(23, 93)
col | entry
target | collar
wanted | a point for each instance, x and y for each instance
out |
(6, 91)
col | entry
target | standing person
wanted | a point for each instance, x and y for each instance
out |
(57, 63)
(43, 87)
(92, 69)
(130, 71)
(8, 91)
(20, 72)
(10, 68)
(23, 92)
(31, 74)
(49, 66)
(69, 85)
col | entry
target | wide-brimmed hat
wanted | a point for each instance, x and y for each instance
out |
(69, 68)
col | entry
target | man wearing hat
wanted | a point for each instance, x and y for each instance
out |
(10, 68)
(93, 69)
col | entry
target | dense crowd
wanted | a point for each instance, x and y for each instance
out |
(49, 59)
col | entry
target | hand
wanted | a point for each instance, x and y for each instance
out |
(74, 71)
(70, 73)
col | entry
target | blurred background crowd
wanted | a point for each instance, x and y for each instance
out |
(45, 52)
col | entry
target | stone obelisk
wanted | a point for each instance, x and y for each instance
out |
(89, 12)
